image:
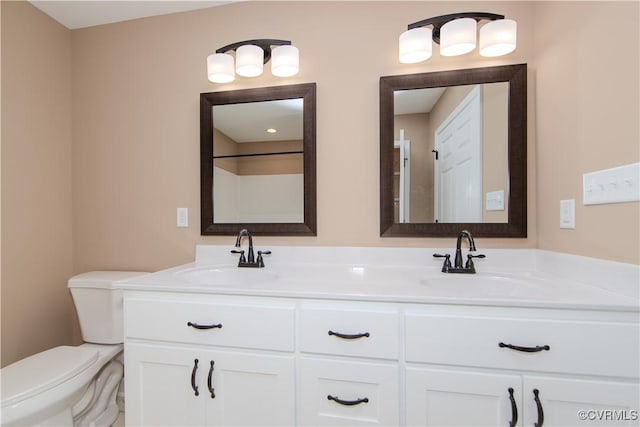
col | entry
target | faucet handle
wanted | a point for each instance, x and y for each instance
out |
(242, 258)
(447, 261)
(469, 263)
(260, 261)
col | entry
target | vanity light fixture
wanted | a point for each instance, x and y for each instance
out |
(457, 34)
(250, 57)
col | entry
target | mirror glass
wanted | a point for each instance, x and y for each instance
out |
(259, 164)
(453, 146)
(258, 172)
(453, 152)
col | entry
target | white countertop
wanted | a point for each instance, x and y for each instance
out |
(516, 278)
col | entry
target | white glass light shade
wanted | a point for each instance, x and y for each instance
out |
(220, 68)
(415, 45)
(458, 37)
(498, 37)
(284, 61)
(249, 60)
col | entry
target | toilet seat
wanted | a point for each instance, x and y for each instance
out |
(38, 373)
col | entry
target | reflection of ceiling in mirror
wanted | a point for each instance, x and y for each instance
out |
(249, 122)
(415, 101)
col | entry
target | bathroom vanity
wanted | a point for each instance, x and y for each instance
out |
(378, 336)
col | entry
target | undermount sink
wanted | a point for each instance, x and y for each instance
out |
(480, 285)
(226, 275)
(484, 284)
(340, 273)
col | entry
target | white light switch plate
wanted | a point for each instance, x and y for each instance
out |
(494, 200)
(182, 217)
(616, 185)
(568, 213)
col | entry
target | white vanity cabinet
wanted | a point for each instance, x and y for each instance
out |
(203, 360)
(497, 366)
(305, 356)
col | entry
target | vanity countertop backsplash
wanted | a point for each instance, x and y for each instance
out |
(506, 277)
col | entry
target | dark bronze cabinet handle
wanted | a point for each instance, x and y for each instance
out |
(539, 405)
(525, 349)
(210, 380)
(349, 336)
(348, 402)
(514, 409)
(193, 377)
(196, 326)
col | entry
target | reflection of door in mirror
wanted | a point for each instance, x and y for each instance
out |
(458, 169)
(464, 196)
(258, 171)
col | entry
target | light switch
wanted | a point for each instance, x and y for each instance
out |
(182, 217)
(568, 213)
(494, 200)
(616, 185)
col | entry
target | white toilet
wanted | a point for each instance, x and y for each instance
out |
(73, 386)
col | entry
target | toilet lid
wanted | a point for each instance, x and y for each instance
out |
(40, 372)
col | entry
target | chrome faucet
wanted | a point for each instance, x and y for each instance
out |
(250, 260)
(457, 267)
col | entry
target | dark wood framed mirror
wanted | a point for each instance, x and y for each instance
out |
(483, 187)
(258, 161)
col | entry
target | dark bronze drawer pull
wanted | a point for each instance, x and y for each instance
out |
(514, 409)
(210, 381)
(349, 336)
(525, 349)
(348, 402)
(196, 326)
(539, 406)
(193, 377)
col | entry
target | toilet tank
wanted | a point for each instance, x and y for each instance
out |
(99, 305)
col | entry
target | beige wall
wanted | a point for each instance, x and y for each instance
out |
(135, 131)
(587, 119)
(37, 312)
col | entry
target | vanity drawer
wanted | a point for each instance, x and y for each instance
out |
(361, 393)
(246, 325)
(349, 331)
(580, 347)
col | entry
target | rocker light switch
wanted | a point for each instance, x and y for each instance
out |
(182, 217)
(568, 214)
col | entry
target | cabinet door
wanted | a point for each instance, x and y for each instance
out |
(348, 393)
(437, 397)
(250, 389)
(158, 386)
(571, 402)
